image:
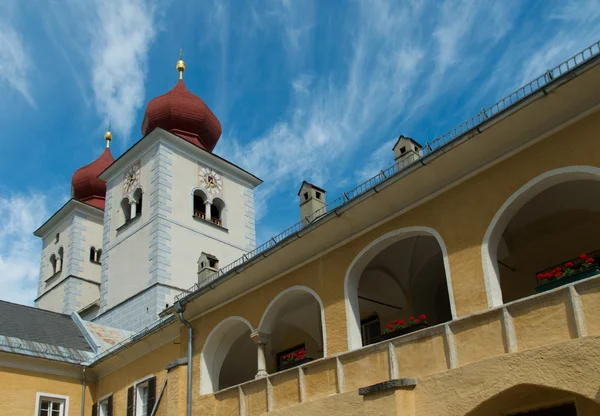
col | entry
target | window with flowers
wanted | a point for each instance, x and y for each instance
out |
(292, 357)
(585, 265)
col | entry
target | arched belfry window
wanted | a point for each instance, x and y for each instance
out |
(137, 197)
(217, 211)
(53, 263)
(126, 210)
(59, 263)
(199, 204)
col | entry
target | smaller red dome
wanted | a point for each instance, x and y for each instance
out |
(184, 114)
(86, 185)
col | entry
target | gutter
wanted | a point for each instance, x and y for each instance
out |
(83, 392)
(387, 181)
(179, 309)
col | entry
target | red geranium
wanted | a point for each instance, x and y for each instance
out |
(417, 320)
(397, 322)
(589, 260)
(422, 317)
(569, 265)
(390, 327)
(412, 318)
(301, 354)
(583, 256)
(541, 276)
(400, 322)
(295, 354)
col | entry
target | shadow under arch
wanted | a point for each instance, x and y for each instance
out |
(362, 260)
(524, 398)
(510, 207)
(299, 310)
(216, 349)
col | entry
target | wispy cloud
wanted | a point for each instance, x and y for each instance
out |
(19, 249)
(15, 63)
(106, 46)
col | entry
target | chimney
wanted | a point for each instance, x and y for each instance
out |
(406, 151)
(312, 202)
(207, 266)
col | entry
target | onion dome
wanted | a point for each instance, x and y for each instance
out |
(86, 186)
(183, 114)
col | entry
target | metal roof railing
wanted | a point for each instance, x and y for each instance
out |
(429, 148)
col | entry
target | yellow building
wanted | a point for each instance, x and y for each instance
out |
(462, 280)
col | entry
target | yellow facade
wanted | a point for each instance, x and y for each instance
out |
(532, 352)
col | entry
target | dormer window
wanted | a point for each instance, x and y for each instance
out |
(403, 150)
(306, 196)
(318, 194)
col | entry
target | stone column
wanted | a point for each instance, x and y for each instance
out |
(133, 210)
(261, 339)
(207, 211)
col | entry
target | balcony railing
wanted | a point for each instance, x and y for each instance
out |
(430, 147)
(199, 214)
(514, 327)
(216, 221)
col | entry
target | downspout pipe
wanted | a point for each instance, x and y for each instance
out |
(83, 393)
(179, 309)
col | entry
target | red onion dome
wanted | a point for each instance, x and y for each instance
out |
(86, 185)
(184, 114)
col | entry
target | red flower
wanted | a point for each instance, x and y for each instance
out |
(589, 260)
(423, 317)
(302, 351)
(412, 318)
(390, 327)
(400, 322)
(541, 276)
(556, 273)
(397, 322)
(557, 269)
(417, 320)
(583, 256)
(569, 265)
(295, 354)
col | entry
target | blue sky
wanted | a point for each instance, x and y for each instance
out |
(315, 90)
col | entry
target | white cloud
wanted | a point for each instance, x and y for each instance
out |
(105, 45)
(120, 40)
(19, 249)
(15, 63)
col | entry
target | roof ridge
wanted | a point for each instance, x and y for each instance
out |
(35, 308)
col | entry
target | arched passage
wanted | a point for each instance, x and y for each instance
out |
(295, 319)
(545, 223)
(228, 357)
(400, 274)
(536, 400)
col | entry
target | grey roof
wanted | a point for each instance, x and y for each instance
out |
(38, 325)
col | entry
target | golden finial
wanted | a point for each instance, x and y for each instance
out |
(108, 136)
(180, 64)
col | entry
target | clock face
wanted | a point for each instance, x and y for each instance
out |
(211, 180)
(131, 179)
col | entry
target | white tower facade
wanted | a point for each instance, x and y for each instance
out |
(167, 202)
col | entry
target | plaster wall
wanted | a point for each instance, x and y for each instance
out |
(92, 238)
(151, 364)
(53, 300)
(19, 389)
(49, 247)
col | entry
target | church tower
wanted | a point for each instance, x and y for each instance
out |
(169, 201)
(72, 244)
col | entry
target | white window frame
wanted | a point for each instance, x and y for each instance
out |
(136, 385)
(103, 399)
(40, 395)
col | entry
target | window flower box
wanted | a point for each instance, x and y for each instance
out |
(553, 284)
(572, 271)
(296, 363)
(399, 327)
(292, 358)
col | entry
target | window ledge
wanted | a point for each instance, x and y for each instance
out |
(98, 262)
(202, 220)
(122, 227)
(53, 276)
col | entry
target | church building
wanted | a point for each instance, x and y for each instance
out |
(462, 280)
